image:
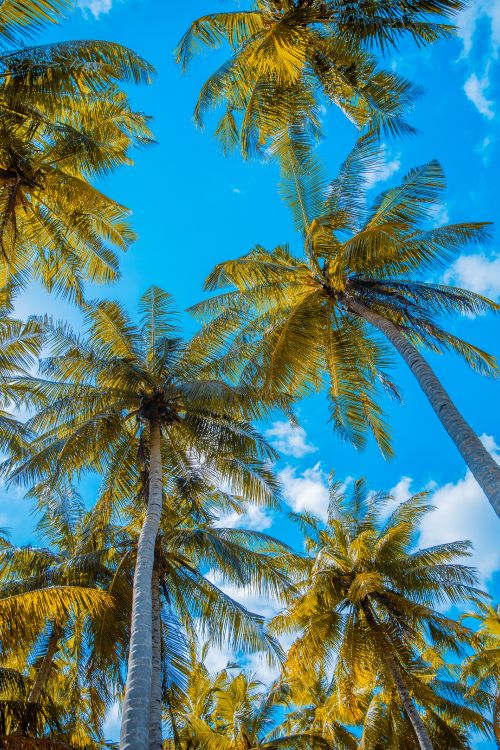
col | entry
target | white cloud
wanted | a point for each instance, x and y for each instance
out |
(463, 513)
(254, 518)
(258, 664)
(480, 14)
(475, 89)
(249, 598)
(289, 439)
(218, 658)
(96, 7)
(485, 148)
(308, 491)
(402, 491)
(389, 165)
(439, 214)
(478, 272)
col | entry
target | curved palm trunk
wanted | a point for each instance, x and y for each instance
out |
(155, 707)
(423, 739)
(135, 718)
(482, 465)
(44, 669)
(418, 725)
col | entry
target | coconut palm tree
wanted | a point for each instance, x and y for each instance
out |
(86, 549)
(452, 719)
(483, 667)
(295, 322)
(231, 709)
(289, 57)
(64, 120)
(42, 86)
(195, 555)
(312, 713)
(194, 561)
(124, 389)
(26, 708)
(367, 611)
(69, 557)
(55, 227)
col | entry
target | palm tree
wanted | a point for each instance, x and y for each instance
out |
(64, 120)
(47, 88)
(125, 389)
(69, 557)
(313, 714)
(191, 552)
(65, 694)
(26, 707)
(231, 709)
(483, 667)
(288, 57)
(293, 322)
(367, 610)
(54, 226)
(452, 719)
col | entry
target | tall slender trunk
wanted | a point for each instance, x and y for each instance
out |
(155, 706)
(496, 718)
(135, 716)
(423, 739)
(482, 465)
(44, 669)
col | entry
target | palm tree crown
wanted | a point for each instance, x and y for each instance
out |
(96, 394)
(291, 323)
(368, 611)
(64, 120)
(288, 56)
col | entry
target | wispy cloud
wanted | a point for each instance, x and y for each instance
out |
(478, 272)
(248, 597)
(254, 518)
(480, 14)
(95, 7)
(439, 214)
(476, 91)
(111, 728)
(479, 28)
(389, 165)
(291, 440)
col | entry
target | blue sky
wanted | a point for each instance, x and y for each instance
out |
(192, 207)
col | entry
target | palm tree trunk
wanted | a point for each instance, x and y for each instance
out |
(418, 725)
(44, 669)
(423, 739)
(155, 707)
(135, 717)
(484, 468)
(496, 719)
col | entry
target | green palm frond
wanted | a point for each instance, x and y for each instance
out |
(22, 18)
(287, 60)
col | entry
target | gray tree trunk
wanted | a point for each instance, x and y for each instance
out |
(496, 718)
(44, 669)
(413, 715)
(397, 677)
(155, 707)
(484, 468)
(135, 714)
